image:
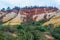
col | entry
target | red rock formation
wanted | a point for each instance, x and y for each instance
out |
(34, 11)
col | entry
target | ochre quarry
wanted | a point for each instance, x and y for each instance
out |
(55, 20)
(37, 13)
(17, 17)
(14, 21)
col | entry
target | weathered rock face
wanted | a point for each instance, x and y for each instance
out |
(13, 20)
(26, 15)
(9, 16)
(37, 13)
(55, 20)
(2, 14)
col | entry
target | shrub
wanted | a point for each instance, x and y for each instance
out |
(38, 35)
(23, 35)
(56, 32)
(6, 36)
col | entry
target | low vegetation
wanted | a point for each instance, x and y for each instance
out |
(28, 31)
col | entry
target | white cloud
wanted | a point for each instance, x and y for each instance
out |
(57, 2)
(22, 3)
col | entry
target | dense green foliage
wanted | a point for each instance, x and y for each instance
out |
(28, 31)
(56, 32)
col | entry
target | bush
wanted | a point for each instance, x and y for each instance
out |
(25, 31)
(6, 36)
(38, 35)
(23, 35)
(56, 32)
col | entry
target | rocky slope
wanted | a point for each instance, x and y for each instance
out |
(32, 14)
(55, 20)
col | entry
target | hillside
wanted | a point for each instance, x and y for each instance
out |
(27, 14)
(37, 23)
(54, 20)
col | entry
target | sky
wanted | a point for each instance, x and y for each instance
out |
(23, 3)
